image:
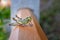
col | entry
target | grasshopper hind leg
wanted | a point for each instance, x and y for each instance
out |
(13, 24)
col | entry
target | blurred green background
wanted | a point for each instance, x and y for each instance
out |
(49, 20)
(4, 20)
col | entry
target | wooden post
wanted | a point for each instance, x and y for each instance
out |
(28, 32)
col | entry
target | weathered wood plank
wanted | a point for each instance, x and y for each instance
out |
(34, 32)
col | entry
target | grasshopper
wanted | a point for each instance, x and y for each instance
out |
(22, 22)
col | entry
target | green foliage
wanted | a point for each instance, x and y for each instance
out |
(3, 34)
(4, 14)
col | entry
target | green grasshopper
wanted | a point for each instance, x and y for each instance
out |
(21, 21)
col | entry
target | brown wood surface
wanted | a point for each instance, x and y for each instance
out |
(27, 32)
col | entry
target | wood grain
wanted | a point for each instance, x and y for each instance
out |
(27, 32)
